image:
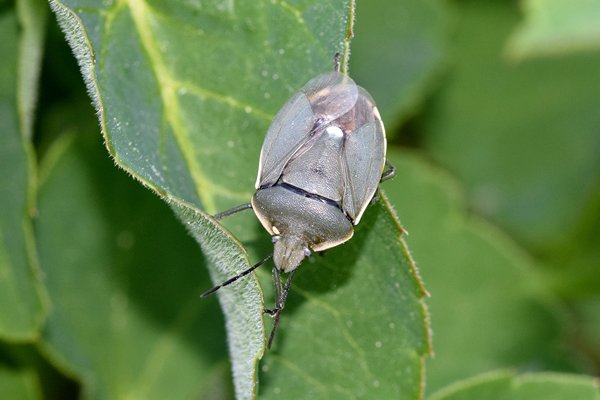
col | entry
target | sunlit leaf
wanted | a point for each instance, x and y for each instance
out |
(555, 27)
(33, 15)
(509, 386)
(19, 384)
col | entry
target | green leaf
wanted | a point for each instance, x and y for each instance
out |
(19, 384)
(489, 308)
(398, 49)
(509, 386)
(522, 137)
(21, 294)
(33, 15)
(243, 304)
(587, 314)
(185, 94)
(555, 27)
(355, 325)
(124, 280)
(31, 373)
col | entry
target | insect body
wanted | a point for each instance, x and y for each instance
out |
(320, 166)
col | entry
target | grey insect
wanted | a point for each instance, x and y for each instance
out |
(320, 165)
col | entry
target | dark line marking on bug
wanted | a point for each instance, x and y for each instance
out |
(313, 196)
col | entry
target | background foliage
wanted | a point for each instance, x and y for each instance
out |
(491, 111)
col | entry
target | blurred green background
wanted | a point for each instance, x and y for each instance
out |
(492, 111)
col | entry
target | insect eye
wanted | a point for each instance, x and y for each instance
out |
(307, 252)
(275, 238)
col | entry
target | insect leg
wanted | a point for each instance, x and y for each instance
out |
(280, 304)
(232, 211)
(238, 276)
(336, 62)
(277, 284)
(389, 173)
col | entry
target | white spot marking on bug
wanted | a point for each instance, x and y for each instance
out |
(230, 144)
(264, 73)
(275, 77)
(248, 109)
(265, 368)
(392, 325)
(349, 324)
(182, 91)
(335, 132)
(276, 390)
(376, 383)
(397, 284)
(378, 344)
(281, 51)
(267, 95)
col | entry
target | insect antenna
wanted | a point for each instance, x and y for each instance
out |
(238, 276)
(232, 211)
(281, 298)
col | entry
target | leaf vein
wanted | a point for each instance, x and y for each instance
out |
(224, 99)
(139, 12)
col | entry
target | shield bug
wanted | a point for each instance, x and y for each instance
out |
(320, 165)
